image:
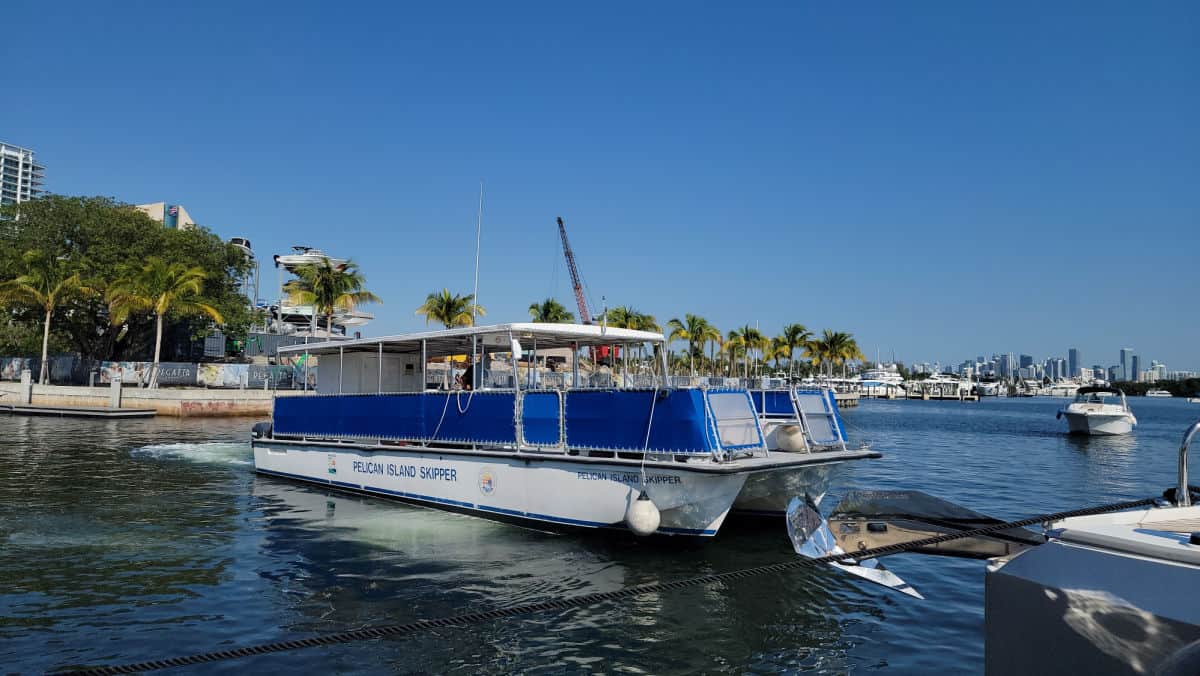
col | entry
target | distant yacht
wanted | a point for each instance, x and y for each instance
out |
(988, 388)
(882, 381)
(1158, 393)
(1064, 388)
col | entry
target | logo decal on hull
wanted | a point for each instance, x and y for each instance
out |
(333, 463)
(487, 481)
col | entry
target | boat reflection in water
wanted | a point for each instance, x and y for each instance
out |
(350, 561)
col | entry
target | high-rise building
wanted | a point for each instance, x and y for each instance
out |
(20, 175)
(1025, 361)
(170, 215)
(1135, 368)
(1125, 353)
(1114, 373)
(1073, 362)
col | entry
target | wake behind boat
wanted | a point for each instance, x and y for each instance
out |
(548, 449)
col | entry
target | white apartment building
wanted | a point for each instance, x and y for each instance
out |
(20, 175)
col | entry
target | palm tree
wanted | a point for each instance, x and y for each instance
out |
(833, 348)
(45, 284)
(159, 287)
(328, 287)
(711, 336)
(795, 336)
(451, 309)
(550, 311)
(735, 345)
(850, 351)
(777, 349)
(695, 330)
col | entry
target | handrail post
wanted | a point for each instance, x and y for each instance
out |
(1182, 497)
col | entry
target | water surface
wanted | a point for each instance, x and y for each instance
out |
(123, 541)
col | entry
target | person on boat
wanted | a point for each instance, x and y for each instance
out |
(467, 380)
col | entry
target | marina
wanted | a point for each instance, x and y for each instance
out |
(485, 339)
(296, 560)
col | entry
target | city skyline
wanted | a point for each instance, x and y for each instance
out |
(1056, 367)
(929, 190)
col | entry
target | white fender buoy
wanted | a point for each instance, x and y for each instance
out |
(642, 516)
(790, 438)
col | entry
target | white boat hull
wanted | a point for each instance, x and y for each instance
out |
(1090, 607)
(1099, 423)
(553, 492)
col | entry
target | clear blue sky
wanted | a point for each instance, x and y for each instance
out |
(941, 179)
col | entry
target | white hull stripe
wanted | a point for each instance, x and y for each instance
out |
(482, 508)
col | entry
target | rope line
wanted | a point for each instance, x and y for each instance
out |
(584, 600)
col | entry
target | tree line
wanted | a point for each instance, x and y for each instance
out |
(742, 351)
(94, 276)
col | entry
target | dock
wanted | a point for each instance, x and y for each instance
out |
(77, 411)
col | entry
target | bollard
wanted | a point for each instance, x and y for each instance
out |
(26, 386)
(114, 391)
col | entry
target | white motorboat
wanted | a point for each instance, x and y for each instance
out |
(939, 386)
(545, 453)
(1105, 593)
(1159, 393)
(988, 388)
(884, 382)
(305, 255)
(1064, 388)
(1095, 412)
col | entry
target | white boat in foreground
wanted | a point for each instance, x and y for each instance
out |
(1108, 593)
(1094, 412)
(544, 452)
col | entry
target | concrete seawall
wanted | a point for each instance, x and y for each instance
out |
(182, 402)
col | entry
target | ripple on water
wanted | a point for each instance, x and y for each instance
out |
(216, 452)
(147, 539)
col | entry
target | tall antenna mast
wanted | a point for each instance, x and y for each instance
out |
(478, 230)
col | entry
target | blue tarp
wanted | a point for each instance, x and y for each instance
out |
(485, 417)
(618, 419)
(599, 419)
(772, 402)
(539, 420)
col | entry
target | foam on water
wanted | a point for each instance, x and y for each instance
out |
(209, 453)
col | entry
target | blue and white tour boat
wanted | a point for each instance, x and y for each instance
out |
(575, 448)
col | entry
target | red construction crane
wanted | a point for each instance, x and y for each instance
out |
(584, 316)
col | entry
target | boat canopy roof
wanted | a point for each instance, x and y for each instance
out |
(1098, 389)
(458, 340)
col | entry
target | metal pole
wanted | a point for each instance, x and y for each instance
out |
(341, 366)
(423, 375)
(478, 230)
(663, 354)
(379, 389)
(1182, 497)
(474, 366)
(575, 365)
(306, 364)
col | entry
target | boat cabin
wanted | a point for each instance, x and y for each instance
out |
(493, 387)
